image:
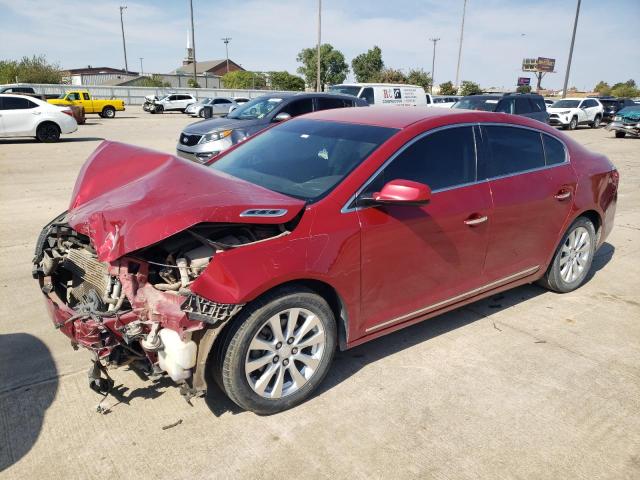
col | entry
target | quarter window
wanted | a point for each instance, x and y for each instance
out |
(553, 150)
(442, 159)
(511, 150)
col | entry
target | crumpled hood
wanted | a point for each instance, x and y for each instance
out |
(211, 125)
(128, 197)
(633, 115)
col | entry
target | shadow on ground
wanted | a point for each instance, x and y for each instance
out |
(16, 141)
(349, 362)
(28, 385)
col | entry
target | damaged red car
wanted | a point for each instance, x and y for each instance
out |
(325, 231)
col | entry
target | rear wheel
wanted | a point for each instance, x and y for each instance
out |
(596, 122)
(48, 132)
(573, 124)
(108, 112)
(277, 351)
(572, 261)
(621, 134)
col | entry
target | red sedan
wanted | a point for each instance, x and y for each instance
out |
(327, 230)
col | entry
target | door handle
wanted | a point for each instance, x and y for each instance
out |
(562, 195)
(476, 220)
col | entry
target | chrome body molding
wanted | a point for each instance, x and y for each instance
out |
(457, 298)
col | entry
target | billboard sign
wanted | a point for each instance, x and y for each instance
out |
(546, 64)
(524, 81)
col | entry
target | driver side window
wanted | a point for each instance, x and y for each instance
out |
(440, 160)
(298, 107)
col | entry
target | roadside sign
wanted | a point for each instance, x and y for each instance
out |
(524, 81)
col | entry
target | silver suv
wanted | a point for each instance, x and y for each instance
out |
(203, 140)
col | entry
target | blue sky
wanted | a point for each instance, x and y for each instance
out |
(268, 34)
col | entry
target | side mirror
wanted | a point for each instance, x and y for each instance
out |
(281, 117)
(400, 192)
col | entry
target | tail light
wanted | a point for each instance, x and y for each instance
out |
(68, 111)
(615, 177)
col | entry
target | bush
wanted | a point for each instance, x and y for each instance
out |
(244, 80)
(470, 88)
(30, 70)
(447, 88)
(524, 89)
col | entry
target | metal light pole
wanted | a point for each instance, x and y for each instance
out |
(193, 44)
(226, 47)
(464, 11)
(141, 69)
(573, 39)
(318, 86)
(433, 63)
(124, 44)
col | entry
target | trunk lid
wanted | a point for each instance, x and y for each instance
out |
(127, 198)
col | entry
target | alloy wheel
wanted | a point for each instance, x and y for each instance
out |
(285, 353)
(574, 256)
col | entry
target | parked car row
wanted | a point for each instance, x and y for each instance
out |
(325, 231)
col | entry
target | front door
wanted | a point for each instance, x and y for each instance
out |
(532, 186)
(417, 259)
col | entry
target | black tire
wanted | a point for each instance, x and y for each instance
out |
(158, 109)
(596, 122)
(108, 112)
(233, 349)
(553, 278)
(201, 113)
(573, 124)
(48, 132)
(621, 134)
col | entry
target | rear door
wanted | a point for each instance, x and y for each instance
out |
(532, 186)
(417, 259)
(19, 115)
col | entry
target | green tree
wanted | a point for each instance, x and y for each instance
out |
(390, 75)
(470, 88)
(33, 69)
(625, 89)
(602, 88)
(244, 80)
(285, 81)
(193, 83)
(333, 68)
(152, 81)
(524, 89)
(367, 66)
(447, 88)
(419, 77)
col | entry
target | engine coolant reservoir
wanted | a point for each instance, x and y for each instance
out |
(177, 357)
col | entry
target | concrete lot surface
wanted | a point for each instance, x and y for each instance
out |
(528, 384)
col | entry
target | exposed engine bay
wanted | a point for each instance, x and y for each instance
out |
(137, 310)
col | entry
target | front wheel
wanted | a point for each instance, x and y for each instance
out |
(572, 261)
(108, 112)
(573, 124)
(277, 351)
(621, 134)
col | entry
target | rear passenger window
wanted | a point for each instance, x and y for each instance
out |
(553, 150)
(506, 105)
(511, 150)
(298, 107)
(442, 159)
(17, 103)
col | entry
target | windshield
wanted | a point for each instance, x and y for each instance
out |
(256, 108)
(303, 158)
(346, 89)
(632, 109)
(566, 104)
(479, 103)
(205, 101)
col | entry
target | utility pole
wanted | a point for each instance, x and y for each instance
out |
(124, 44)
(141, 70)
(464, 11)
(226, 47)
(193, 45)
(573, 39)
(318, 86)
(433, 63)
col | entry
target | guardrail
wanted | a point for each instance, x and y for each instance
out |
(135, 95)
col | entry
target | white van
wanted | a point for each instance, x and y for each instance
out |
(385, 93)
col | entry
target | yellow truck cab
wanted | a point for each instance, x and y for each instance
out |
(106, 108)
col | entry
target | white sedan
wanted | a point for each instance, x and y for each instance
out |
(219, 106)
(22, 116)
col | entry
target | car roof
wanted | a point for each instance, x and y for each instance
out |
(388, 85)
(308, 95)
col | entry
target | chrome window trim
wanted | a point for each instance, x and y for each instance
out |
(452, 300)
(347, 208)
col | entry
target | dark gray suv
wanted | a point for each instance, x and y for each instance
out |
(203, 140)
(526, 104)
